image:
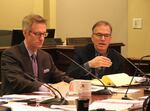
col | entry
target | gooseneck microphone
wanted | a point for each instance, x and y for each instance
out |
(54, 101)
(130, 62)
(137, 69)
(141, 61)
(147, 90)
(104, 91)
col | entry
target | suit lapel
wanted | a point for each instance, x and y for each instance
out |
(26, 59)
(40, 69)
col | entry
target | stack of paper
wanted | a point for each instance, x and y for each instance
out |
(114, 104)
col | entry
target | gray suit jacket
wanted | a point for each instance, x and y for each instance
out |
(16, 63)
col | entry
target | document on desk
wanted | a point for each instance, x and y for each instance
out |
(116, 80)
(22, 107)
(64, 107)
(114, 104)
(18, 97)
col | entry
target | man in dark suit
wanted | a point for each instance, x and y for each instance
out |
(25, 61)
(98, 58)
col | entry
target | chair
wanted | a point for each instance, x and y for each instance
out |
(51, 33)
(53, 41)
(5, 37)
(78, 41)
(17, 37)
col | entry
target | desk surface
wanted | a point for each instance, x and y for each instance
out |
(135, 95)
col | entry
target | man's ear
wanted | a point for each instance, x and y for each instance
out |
(25, 33)
(92, 38)
(110, 40)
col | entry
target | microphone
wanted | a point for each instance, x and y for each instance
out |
(104, 91)
(54, 101)
(147, 90)
(137, 69)
(130, 62)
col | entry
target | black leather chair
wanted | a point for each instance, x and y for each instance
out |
(78, 40)
(53, 41)
(17, 37)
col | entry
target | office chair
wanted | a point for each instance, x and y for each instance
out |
(78, 41)
(17, 37)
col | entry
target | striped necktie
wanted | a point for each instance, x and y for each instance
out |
(34, 66)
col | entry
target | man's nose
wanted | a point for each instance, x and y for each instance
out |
(102, 37)
(42, 37)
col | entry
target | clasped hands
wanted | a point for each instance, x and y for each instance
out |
(100, 61)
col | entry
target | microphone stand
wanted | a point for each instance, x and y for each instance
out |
(137, 69)
(130, 62)
(54, 101)
(104, 91)
(147, 90)
(141, 61)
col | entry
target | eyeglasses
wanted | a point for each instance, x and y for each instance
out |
(100, 35)
(39, 34)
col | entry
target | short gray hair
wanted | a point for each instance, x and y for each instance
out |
(30, 19)
(99, 23)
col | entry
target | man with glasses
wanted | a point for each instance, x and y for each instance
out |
(97, 57)
(25, 68)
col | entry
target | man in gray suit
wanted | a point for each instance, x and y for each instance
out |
(25, 61)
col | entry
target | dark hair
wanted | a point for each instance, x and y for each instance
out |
(99, 23)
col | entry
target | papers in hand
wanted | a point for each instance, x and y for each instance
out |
(120, 79)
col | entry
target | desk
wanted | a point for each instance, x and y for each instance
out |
(135, 95)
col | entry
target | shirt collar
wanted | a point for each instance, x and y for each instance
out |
(29, 51)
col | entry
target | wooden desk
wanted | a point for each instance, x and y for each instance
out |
(135, 95)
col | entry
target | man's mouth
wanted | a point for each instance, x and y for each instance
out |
(101, 44)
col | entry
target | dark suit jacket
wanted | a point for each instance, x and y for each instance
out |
(82, 55)
(15, 63)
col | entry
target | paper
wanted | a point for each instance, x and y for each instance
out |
(15, 97)
(120, 90)
(65, 107)
(21, 107)
(114, 104)
(120, 79)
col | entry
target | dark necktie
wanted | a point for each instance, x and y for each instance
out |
(34, 66)
(99, 72)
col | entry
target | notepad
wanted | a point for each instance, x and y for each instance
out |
(120, 79)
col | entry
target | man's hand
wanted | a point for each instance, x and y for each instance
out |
(100, 61)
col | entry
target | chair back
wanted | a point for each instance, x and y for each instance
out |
(78, 41)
